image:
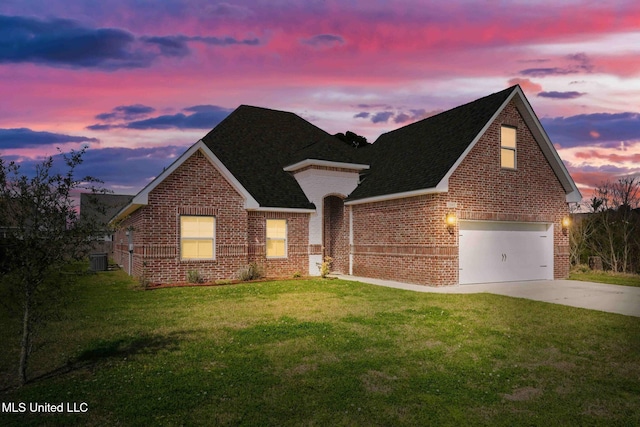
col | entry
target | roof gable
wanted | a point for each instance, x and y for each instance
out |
(419, 158)
(142, 198)
(256, 144)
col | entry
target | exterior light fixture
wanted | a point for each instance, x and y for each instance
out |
(566, 222)
(451, 220)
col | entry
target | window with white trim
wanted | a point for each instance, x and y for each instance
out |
(197, 237)
(276, 238)
(508, 147)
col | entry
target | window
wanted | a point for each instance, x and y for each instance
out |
(276, 238)
(508, 147)
(197, 237)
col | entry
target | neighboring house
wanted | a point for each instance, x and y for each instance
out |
(101, 208)
(474, 194)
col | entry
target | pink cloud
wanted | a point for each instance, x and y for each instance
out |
(612, 157)
(526, 84)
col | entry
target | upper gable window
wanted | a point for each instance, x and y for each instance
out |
(508, 147)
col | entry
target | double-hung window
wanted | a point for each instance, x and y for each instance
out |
(276, 238)
(197, 237)
(508, 147)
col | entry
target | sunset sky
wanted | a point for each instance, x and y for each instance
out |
(139, 81)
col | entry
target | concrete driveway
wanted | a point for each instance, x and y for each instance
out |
(593, 296)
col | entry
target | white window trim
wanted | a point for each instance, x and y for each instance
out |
(285, 239)
(514, 148)
(213, 239)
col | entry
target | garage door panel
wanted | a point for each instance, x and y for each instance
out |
(503, 251)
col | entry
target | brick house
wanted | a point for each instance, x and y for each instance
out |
(474, 194)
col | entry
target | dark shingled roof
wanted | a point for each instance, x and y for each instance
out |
(102, 207)
(255, 144)
(419, 155)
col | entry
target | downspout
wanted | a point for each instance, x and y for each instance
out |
(129, 234)
(350, 240)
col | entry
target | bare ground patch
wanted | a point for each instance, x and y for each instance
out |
(523, 394)
(378, 382)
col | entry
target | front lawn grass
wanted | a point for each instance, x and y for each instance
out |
(325, 352)
(609, 277)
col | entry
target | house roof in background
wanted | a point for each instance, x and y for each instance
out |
(102, 207)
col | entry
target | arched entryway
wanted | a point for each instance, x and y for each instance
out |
(335, 234)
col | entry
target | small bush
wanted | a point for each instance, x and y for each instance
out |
(325, 267)
(297, 274)
(250, 271)
(143, 280)
(194, 276)
(581, 268)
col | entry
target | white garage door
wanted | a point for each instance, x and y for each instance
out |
(492, 251)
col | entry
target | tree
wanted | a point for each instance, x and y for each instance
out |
(41, 237)
(352, 139)
(581, 230)
(616, 223)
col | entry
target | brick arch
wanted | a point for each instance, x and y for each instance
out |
(335, 232)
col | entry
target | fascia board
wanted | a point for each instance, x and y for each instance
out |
(326, 163)
(285, 210)
(435, 190)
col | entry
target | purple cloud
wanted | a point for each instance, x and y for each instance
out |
(119, 167)
(66, 43)
(24, 138)
(224, 41)
(382, 117)
(561, 95)
(581, 64)
(62, 42)
(399, 117)
(197, 117)
(324, 40)
(544, 72)
(202, 117)
(594, 129)
(126, 112)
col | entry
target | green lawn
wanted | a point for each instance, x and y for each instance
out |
(325, 352)
(606, 277)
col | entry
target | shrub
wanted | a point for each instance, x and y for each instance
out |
(194, 276)
(250, 271)
(325, 267)
(143, 280)
(581, 268)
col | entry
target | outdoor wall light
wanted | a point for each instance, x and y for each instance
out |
(451, 220)
(566, 222)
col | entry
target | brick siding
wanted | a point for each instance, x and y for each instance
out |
(297, 260)
(197, 188)
(336, 233)
(407, 239)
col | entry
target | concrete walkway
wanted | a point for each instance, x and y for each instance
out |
(593, 296)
